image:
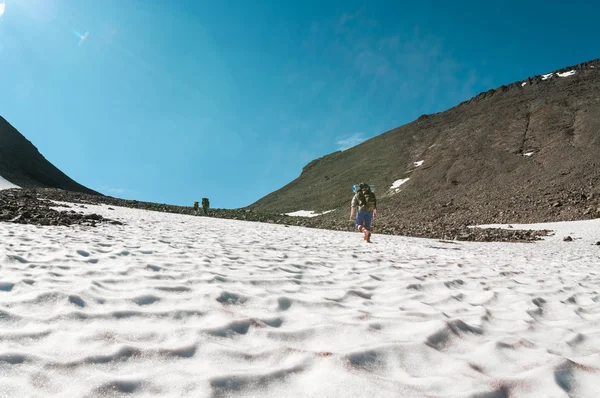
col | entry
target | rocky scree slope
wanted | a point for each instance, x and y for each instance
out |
(35, 206)
(526, 152)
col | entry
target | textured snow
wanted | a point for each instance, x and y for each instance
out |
(566, 74)
(175, 305)
(307, 213)
(419, 163)
(4, 184)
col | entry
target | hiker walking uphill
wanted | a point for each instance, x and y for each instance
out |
(366, 202)
(205, 206)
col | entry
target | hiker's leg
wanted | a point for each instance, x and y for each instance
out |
(368, 220)
(360, 224)
(368, 225)
(360, 219)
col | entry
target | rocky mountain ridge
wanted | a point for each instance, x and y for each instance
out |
(23, 165)
(524, 152)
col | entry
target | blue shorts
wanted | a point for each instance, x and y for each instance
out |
(364, 218)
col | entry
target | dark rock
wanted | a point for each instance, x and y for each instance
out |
(568, 239)
(30, 206)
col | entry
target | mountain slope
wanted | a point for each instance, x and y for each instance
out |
(521, 153)
(23, 165)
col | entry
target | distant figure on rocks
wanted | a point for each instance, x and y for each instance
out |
(366, 202)
(196, 208)
(205, 205)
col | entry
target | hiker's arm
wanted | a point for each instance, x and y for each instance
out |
(374, 206)
(353, 205)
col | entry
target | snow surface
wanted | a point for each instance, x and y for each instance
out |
(566, 74)
(175, 305)
(528, 154)
(4, 184)
(419, 163)
(307, 213)
(523, 84)
(399, 182)
(547, 76)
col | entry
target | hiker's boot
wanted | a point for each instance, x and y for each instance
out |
(366, 233)
(368, 238)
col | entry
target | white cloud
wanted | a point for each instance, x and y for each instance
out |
(2, 7)
(113, 190)
(410, 65)
(116, 190)
(350, 141)
(345, 18)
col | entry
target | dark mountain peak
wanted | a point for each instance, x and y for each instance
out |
(22, 164)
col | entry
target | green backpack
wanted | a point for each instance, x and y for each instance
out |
(368, 201)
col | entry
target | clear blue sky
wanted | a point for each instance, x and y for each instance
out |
(172, 101)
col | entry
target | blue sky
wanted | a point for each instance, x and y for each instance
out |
(172, 101)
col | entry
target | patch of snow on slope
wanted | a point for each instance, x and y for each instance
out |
(566, 74)
(584, 232)
(175, 305)
(528, 154)
(399, 182)
(306, 213)
(419, 163)
(523, 84)
(4, 184)
(547, 76)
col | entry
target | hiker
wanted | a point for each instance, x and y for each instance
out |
(205, 205)
(366, 202)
